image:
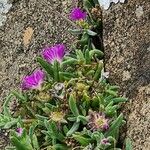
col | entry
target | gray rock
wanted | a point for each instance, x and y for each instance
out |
(2, 19)
(4, 8)
(126, 44)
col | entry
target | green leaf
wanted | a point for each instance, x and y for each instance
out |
(58, 135)
(66, 75)
(20, 96)
(53, 130)
(59, 147)
(109, 105)
(114, 87)
(113, 93)
(50, 106)
(111, 111)
(119, 99)
(5, 105)
(113, 130)
(84, 39)
(19, 145)
(83, 119)
(70, 61)
(73, 129)
(56, 70)
(65, 129)
(80, 55)
(97, 136)
(3, 120)
(42, 118)
(72, 118)
(35, 142)
(75, 31)
(10, 148)
(90, 32)
(11, 123)
(41, 123)
(73, 106)
(82, 140)
(115, 149)
(95, 2)
(98, 71)
(128, 144)
(46, 66)
(31, 130)
(87, 56)
(96, 52)
(87, 4)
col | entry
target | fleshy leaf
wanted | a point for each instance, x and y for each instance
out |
(92, 33)
(113, 130)
(73, 106)
(128, 144)
(73, 129)
(46, 66)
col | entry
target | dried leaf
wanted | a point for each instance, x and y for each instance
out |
(27, 36)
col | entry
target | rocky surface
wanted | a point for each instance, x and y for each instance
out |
(126, 32)
(49, 27)
(4, 8)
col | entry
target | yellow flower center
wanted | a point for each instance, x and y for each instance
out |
(57, 117)
(100, 122)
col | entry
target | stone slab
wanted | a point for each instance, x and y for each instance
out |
(126, 36)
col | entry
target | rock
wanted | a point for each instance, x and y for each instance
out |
(126, 44)
(4, 8)
(105, 4)
(17, 60)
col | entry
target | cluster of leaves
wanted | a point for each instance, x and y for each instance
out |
(57, 117)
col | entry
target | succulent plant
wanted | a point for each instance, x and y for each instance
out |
(68, 105)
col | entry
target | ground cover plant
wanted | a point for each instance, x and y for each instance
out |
(67, 103)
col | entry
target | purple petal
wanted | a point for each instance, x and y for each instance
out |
(53, 53)
(19, 131)
(77, 14)
(60, 52)
(33, 81)
(38, 76)
(106, 126)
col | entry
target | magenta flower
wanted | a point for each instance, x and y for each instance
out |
(97, 121)
(77, 14)
(33, 81)
(19, 131)
(53, 53)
